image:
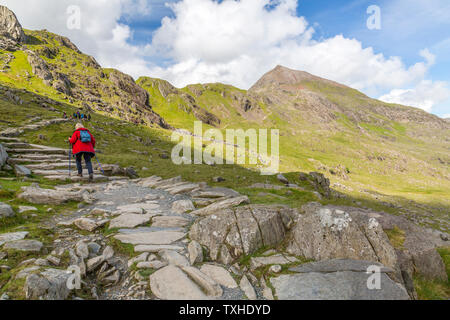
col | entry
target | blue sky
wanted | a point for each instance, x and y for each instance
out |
(407, 27)
(407, 61)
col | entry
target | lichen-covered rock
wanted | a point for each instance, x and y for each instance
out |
(327, 232)
(418, 252)
(230, 233)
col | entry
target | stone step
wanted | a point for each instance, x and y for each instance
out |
(26, 161)
(75, 178)
(9, 139)
(38, 151)
(49, 166)
(17, 145)
(42, 157)
(64, 172)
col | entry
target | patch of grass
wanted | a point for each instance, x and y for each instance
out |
(146, 272)
(435, 289)
(122, 248)
(396, 237)
(445, 254)
(431, 290)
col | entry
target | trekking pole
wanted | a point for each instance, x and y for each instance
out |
(96, 158)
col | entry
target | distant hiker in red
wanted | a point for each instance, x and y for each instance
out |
(83, 144)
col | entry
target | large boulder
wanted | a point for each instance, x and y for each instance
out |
(328, 232)
(337, 280)
(50, 284)
(231, 233)
(418, 252)
(37, 195)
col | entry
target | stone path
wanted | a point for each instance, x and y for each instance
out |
(153, 221)
(158, 220)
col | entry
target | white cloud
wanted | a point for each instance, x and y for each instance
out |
(101, 34)
(237, 41)
(234, 42)
(425, 95)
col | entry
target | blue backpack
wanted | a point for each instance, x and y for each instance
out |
(85, 137)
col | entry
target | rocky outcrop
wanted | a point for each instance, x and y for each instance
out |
(136, 98)
(231, 233)
(336, 280)
(418, 251)
(327, 232)
(11, 32)
(39, 67)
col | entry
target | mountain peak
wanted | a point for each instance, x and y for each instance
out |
(10, 28)
(282, 75)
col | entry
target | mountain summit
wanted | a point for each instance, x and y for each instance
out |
(282, 76)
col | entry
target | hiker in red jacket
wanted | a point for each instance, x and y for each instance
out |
(83, 144)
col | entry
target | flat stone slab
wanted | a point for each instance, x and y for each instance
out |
(14, 236)
(257, 262)
(130, 220)
(157, 237)
(339, 265)
(24, 245)
(138, 208)
(219, 275)
(182, 189)
(228, 203)
(169, 222)
(182, 206)
(170, 283)
(23, 209)
(156, 248)
(346, 285)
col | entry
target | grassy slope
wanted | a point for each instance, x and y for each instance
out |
(385, 162)
(117, 144)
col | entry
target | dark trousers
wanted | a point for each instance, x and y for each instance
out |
(87, 159)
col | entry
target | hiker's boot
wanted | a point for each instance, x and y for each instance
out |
(80, 175)
(91, 177)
